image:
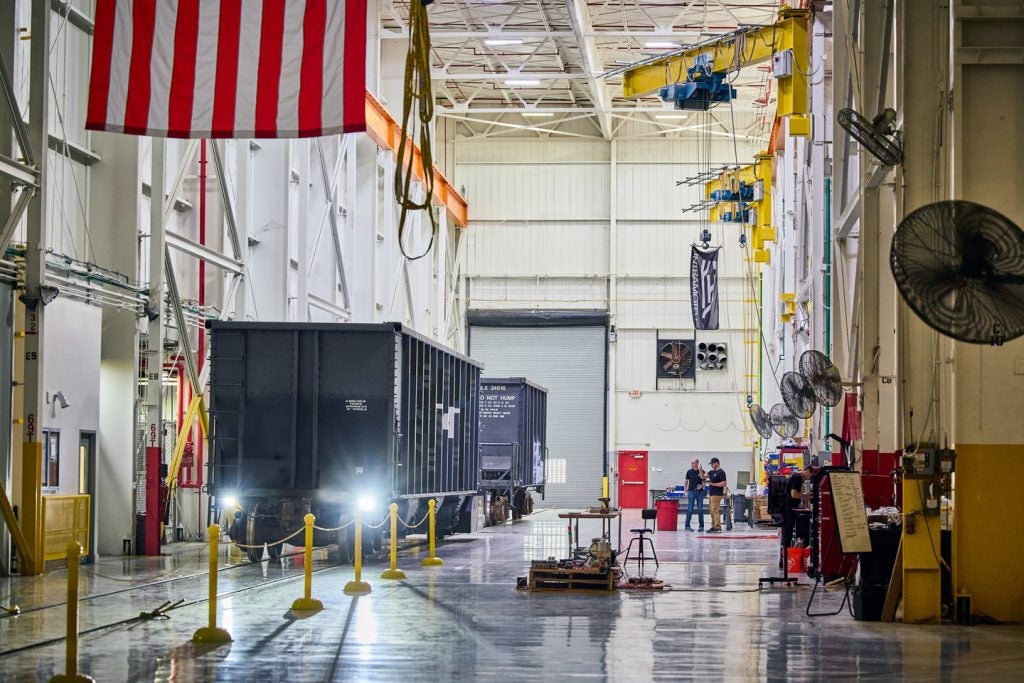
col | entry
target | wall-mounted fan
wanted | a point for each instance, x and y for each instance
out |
(798, 395)
(876, 136)
(823, 376)
(960, 267)
(675, 358)
(784, 423)
(762, 421)
(711, 356)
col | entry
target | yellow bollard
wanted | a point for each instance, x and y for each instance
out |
(71, 654)
(210, 634)
(604, 487)
(307, 603)
(357, 585)
(433, 560)
(393, 572)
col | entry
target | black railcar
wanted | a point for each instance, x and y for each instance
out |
(513, 444)
(322, 418)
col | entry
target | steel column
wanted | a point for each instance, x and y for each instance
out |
(158, 261)
(35, 296)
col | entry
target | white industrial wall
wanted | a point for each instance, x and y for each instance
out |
(579, 224)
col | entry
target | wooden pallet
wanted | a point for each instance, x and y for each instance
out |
(555, 579)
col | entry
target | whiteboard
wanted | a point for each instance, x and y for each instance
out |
(851, 519)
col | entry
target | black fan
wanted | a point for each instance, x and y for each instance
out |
(798, 394)
(960, 267)
(762, 422)
(876, 136)
(784, 422)
(675, 359)
(823, 377)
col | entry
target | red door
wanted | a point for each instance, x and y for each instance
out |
(632, 479)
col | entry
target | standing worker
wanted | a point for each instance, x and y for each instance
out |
(717, 484)
(695, 493)
(795, 500)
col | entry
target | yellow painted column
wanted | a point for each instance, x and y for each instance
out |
(988, 558)
(31, 510)
(922, 574)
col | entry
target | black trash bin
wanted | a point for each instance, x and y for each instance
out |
(739, 508)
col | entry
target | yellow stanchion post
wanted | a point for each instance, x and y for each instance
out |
(307, 603)
(604, 487)
(357, 585)
(432, 560)
(71, 651)
(210, 634)
(393, 572)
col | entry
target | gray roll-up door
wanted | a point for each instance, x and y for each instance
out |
(570, 363)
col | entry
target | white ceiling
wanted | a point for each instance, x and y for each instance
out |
(496, 62)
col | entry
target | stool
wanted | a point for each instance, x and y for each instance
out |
(641, 535)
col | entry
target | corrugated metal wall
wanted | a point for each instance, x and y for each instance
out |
(570, 363)
(542, 215)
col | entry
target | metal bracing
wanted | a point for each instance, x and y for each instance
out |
(557, 54)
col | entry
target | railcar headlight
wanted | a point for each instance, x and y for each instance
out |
(367, 503)
(230, 502)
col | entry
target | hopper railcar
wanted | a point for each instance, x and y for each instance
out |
(322, 418)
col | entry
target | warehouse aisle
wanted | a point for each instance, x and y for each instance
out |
(465, 621)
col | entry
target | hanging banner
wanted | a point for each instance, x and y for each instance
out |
(704, 287)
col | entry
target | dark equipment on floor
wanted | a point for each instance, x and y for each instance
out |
(513, 444)
(317, 417)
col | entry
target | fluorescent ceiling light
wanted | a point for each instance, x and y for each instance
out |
(670, 116)
(537, 114)
(503, 41)
(521, 82)
(661, 45)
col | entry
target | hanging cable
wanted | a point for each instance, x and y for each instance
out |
(419, 100)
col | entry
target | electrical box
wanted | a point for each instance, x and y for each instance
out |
(758, 190)
(782, 64)
(929, 462)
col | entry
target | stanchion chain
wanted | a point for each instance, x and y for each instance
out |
(377, 526)
(413, 526)
(260, 546)
(336, 528)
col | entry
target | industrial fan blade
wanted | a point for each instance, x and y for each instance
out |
(784, 422)
(798, 395)
(823, 376)
(762, 422)
(960, 268)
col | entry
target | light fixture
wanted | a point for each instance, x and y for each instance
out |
(503, 41)
(521, 82)
(537, 114)
(661, 45)
(675, 117)
(230, 502)
(366, 503)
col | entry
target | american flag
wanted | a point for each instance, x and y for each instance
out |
(228, 68)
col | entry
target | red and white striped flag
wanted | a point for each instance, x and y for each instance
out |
(228, 68)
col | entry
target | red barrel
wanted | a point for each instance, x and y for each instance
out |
(668, 514)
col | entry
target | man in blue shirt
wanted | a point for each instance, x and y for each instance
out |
(717, 484)
(695, 493)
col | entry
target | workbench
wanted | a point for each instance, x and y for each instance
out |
(606, 529)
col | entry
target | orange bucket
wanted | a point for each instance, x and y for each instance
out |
(794, 560)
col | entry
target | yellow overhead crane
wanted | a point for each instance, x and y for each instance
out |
(727, 192)
(784, 44)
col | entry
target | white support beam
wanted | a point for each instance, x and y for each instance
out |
(581, 24)
(199, 251)
(441, 75)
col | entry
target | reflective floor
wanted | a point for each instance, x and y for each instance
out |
(465, 621)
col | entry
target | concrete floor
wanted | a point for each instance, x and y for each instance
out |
(465, 621)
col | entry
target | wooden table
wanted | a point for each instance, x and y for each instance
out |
(606, 528)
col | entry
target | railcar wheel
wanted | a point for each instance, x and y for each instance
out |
(274, 551)
(255, 555)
